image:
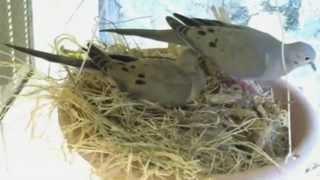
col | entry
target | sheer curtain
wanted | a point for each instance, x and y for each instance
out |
(15, 28)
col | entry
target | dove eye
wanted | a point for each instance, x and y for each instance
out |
(306, 58)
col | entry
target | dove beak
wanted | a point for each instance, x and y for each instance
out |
(314, 67)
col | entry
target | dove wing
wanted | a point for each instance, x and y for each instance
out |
(240, 51)
(244, 53)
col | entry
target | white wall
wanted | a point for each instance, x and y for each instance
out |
(39, 158)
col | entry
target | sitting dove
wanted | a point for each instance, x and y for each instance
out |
(239, 51)
(158, 80)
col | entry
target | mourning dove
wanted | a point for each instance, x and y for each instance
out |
(239, 51)
(158, 80)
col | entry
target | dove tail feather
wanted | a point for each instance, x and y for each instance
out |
(167, 35)
(174, 23)
(119, 57)
(186, 20)
(75, 62)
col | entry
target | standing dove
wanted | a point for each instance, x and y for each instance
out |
(158, 80)
(239, 51)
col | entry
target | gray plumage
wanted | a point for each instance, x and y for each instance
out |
(158, 80)
(160, 35)
(240, 51)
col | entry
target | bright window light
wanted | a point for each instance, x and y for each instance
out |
(39, 157)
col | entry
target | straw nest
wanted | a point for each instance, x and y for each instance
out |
(224, 131)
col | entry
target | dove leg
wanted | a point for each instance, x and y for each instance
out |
(250, 87)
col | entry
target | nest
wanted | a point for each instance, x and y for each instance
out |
(225, 130)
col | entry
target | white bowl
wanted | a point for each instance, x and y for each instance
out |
(305, 140)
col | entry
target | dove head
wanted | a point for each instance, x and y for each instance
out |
(300, 53)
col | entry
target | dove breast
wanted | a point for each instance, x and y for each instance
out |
(189, 61)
